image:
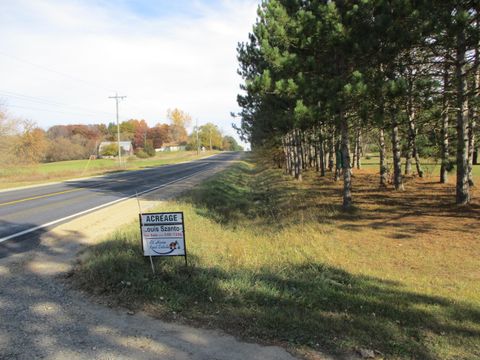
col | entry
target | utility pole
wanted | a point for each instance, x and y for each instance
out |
(198, 144)
(116, 97)
(210, 133)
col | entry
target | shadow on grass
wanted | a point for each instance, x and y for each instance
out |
(309, 304)
(425, 207)
(41, 318)
(246, 194)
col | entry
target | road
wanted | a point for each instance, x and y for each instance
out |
(44, 317)
(24, 211)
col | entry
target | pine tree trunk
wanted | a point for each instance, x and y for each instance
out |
(383, 160)
(354, 157)
(298, 156)
(338, 161)
(397, 160)
(413, 136)
(289, 155)
(471, 150)
(347, 173)
(300, 149)
(321, 155)
(408, 156)
(313, 150)
(325, 154)
(291, 152)
(473, 117)
(307, 161)
(359, 148)
(412, 142)
(303, 149)
(285, 154)
(418, 164)
(462, 186)
(317, 149)
(445, 124)
(331, 150)
(313, 156)
(294, 154)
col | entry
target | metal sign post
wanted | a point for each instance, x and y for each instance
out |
(140, 210)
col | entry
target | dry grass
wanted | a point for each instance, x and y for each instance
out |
(410, 234)
(277, 261)
(23, 175)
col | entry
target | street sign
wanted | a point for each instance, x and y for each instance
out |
(163, 234)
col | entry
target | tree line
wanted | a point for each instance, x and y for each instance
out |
(22, 142)
(322, 78)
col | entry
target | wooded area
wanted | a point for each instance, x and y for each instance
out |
(22, 142)
(324, 79)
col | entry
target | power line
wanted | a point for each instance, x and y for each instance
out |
(45, 68)
(91, 84)
(45, 101)
(51, 111)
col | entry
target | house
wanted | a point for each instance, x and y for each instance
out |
(126, 146)
(168, 147)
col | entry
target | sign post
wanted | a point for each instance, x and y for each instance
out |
(163, 234)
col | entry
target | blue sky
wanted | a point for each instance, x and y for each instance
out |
(60, 60)
(164, 8)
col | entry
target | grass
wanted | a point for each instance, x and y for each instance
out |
(13, 176)
(431, 167)
(276, 261)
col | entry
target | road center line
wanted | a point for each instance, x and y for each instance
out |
(40, 197)
(28, 231)
(65, 191)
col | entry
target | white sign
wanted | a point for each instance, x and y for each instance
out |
(162, 218)
(163, 234)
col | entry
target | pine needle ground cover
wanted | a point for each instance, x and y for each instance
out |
(276, 261)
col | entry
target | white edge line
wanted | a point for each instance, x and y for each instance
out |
(27, 231)
(32, 186)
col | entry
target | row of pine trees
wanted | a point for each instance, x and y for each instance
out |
(320, 75)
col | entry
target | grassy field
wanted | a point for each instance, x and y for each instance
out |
(275, 261)
(62, 170)
(431, 167)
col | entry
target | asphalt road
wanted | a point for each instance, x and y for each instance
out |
(24, 211)
(43, 317)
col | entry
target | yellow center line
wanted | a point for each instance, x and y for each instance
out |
(39, 197)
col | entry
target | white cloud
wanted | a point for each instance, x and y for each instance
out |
(159, 62)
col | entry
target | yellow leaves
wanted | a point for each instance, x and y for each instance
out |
(179, 117)
(180, 120)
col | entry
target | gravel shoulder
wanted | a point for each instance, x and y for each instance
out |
(43, 318)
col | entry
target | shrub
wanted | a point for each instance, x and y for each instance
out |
(149, 150)
(141, 154)
(109, 150)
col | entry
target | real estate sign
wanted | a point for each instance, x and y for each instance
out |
(163, 234)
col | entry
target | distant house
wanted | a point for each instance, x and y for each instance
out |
(126, 146)
(171, 148)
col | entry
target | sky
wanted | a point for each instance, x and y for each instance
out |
(60, 60)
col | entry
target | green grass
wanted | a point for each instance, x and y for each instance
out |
(275, 261)
(430, 166)
(18, 175)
